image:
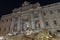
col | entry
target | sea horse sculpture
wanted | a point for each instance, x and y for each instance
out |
(42, 35)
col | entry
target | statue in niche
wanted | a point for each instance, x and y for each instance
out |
(37, 24)
(26, 25)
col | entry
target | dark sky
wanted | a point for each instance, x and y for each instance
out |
(6, 6)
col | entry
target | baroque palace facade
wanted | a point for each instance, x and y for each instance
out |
(31, 17)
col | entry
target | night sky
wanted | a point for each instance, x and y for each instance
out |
(6, 6)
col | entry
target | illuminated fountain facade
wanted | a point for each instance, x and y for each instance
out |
(31, 17)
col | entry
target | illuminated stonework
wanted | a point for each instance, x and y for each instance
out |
(31, 17)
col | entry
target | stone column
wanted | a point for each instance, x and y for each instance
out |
(19, 25)
(12, 25)
(19, 28)
(51, 23)
(41, 20)
(32, 21)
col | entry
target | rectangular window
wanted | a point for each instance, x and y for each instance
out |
(55, 22)
(46, 23)
(7, 20)
(51, 12)
(44, 13)
(11, 19)
(58, 10)
(4, 29)
(58, 30)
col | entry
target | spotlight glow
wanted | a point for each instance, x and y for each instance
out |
(9, 34)
(1, 37)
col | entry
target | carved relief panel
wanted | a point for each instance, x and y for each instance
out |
(26, 22)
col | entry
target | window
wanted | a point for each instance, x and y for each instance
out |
(55, 22)
(51, 12)
(4, 29)
(58, 10)
(7, 20)
(44, 13)
(46, 23)
(11, 19)
(58, 30)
